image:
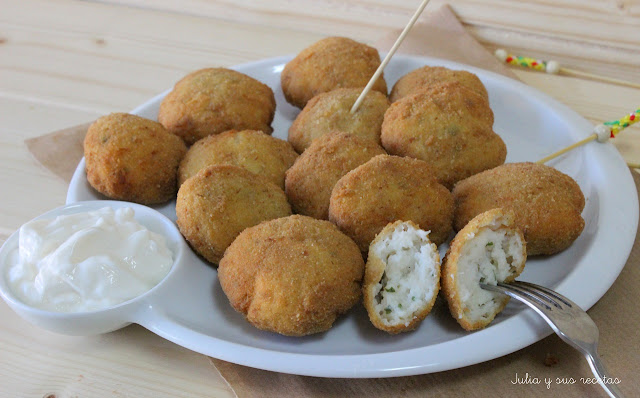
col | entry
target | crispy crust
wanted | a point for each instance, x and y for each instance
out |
(547, 203)
(219, 202)
(310, 180)
(450, 265)
(426, 76)
(212, 100)
(389, 188)
(448, 126)
(252, 150)
(331, 63)
(132, 158)
(331, 111)
(293, 275)
(374, 269)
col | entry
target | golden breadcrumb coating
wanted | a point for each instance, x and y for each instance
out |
(293, 276)
(546, 202)
(447, 126)
(334, 62)
(489, 249)
(386, 189)
(309, 182)
(421, 78)
(219, 202)
(253, 150)
(331, 111)
(132, 158)
(213, 100)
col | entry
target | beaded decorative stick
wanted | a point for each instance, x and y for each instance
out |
(386, 59)
(553, 67)
(601, 132)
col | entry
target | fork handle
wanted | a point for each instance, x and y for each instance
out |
(598, 369)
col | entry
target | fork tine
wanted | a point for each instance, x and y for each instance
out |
(527, 294)
(540, 293)
(522, 294)
(550, 292)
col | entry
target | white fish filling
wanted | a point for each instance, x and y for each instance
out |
(410, 277)
(488, 257)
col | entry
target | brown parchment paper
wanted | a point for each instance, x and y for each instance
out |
(544, 369)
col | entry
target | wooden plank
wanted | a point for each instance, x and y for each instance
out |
(94, 64)
(602, 36)
(131, 362)
(111, 58)
(597, 102)
(28, 188)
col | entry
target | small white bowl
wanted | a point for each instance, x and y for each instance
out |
(105, 320)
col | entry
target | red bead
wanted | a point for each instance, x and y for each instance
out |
(632, 117)
(534, 63)
(509, 59)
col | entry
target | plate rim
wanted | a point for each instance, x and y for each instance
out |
(412, 360)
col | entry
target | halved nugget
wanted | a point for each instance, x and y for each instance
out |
(489, 249)
(402, 277)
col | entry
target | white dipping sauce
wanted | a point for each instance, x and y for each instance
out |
(87, 261)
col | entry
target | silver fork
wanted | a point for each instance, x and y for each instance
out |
(566, 318)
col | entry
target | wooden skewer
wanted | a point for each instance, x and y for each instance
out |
(567, 149)
(386, 60)
(601, 132)
(633, 165)
(552, 67)
(573, 72)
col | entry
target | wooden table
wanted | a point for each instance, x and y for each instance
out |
(65, 62)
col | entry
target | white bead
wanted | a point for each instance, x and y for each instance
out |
(552, 67)
(501, 54)
(603, 132)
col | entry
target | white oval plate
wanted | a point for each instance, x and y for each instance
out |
(199, 317)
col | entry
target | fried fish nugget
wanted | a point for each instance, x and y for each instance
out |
(219, 202)
(213, 100)
(447, 126)
(426, 76)
(293, 276)
(331, 111)
(132, 158)
(253, 150)
(386, 189)
(546, 202)
(402, 277)
(490, 249)
(309, 182)
(334, 62)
